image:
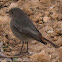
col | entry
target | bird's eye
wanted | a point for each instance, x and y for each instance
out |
(12, 12)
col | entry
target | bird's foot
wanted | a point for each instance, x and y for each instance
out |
(24, 52)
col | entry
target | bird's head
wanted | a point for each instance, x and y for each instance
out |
(14, 12)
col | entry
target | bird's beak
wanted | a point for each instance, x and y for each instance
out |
(7, 12)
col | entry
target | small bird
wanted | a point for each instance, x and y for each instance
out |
(23, 28)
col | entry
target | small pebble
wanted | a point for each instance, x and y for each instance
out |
(46, 19)
(50, 32)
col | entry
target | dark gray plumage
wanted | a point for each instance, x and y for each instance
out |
(23, 28)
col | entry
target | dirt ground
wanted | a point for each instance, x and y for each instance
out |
(47, 17)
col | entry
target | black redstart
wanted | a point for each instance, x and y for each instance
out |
(23, 28)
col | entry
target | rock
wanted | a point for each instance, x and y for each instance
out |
(4, 60)
(59, 41)
(2, 55)
(40, 22)
(55, 38)
(12, 5)
(1, 46)
(8, 59)
(34, 42)
(40, 57)
(50, 31)
(46, 19)
(54, 15)
(60, 55)
(51, 7)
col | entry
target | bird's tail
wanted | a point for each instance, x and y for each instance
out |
(44, 39)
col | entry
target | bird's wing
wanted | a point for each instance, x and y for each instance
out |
(31, 32)
(28, 31)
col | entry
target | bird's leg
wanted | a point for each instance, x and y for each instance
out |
(21, 49)
(27, 47)
(22, 46)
